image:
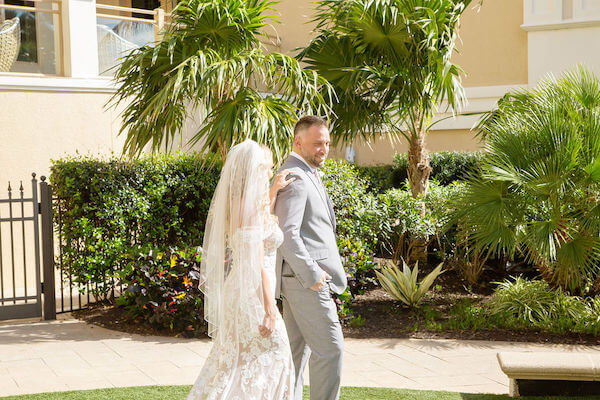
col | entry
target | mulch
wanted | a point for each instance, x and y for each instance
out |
(383, 318)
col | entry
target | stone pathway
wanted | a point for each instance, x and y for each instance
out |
(72, 355)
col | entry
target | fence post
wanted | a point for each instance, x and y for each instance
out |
(47, 249)
(159, 24)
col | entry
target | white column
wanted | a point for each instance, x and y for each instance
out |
(80, 39)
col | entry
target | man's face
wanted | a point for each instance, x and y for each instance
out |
(313, 145)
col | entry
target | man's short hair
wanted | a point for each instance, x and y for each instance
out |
(307, 121)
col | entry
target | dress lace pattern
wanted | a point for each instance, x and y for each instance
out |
(242, 365)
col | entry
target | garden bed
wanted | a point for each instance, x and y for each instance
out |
(383, 317)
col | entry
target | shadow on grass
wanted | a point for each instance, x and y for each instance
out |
(475, 396)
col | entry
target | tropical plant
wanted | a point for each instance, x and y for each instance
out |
(537, 190)
(389, 63)
(212, 65)
(533, 303)
(403, 285)
(527, 301)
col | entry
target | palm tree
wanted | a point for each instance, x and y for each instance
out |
(537, 192)
(211, 64)
(389, 63)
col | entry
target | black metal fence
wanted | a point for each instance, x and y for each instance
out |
(35, 278)
(21, 263)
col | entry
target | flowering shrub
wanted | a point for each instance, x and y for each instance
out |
(162, 289)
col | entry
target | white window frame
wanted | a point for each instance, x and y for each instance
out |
(540, 15)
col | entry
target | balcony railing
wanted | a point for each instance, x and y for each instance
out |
(31, 37)
(122, 29)
(35, 37)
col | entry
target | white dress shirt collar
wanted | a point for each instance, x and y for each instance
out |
(299, 157)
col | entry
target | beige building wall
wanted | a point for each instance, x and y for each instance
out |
(296, 28)
(557, 51)
(38, 126)
(382, 150)
(492, 51)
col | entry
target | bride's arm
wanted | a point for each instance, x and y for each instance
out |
(268, 324)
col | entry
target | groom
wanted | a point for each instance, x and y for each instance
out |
(308, 264)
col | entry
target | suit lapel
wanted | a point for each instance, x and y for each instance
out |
(331, 213)
(322, 194)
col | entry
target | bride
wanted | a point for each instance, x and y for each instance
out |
(251, 357)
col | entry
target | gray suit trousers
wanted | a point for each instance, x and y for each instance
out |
(315, 334)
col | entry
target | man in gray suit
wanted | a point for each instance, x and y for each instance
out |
(308, 264)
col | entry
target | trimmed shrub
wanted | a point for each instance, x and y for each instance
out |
(110, 210)
(378, 178)
(162, 289)
(360, 266)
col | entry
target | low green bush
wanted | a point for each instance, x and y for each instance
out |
(407, 224)
(534, 303)
(360, 216)
(162, 289)
(528, 304)
(359, 265)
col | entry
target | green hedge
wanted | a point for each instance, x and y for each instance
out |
(379, 178)
(447, 166)
(110, 211)
(113, 213)
(360, 216)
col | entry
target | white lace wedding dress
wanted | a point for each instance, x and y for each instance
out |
(246, 366)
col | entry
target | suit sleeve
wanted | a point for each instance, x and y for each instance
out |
(289, 208)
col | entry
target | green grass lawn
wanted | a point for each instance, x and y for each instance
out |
(348, 393)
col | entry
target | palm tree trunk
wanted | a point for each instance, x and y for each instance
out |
(418, 177)
(418, 165)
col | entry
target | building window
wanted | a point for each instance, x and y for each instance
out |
(37, 29)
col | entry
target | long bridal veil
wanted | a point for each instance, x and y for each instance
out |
(232, 249)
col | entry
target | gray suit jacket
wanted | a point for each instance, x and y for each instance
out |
(306, 218)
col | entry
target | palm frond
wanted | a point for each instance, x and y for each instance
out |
(212, 65)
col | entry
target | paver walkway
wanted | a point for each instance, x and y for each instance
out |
(71, 355)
